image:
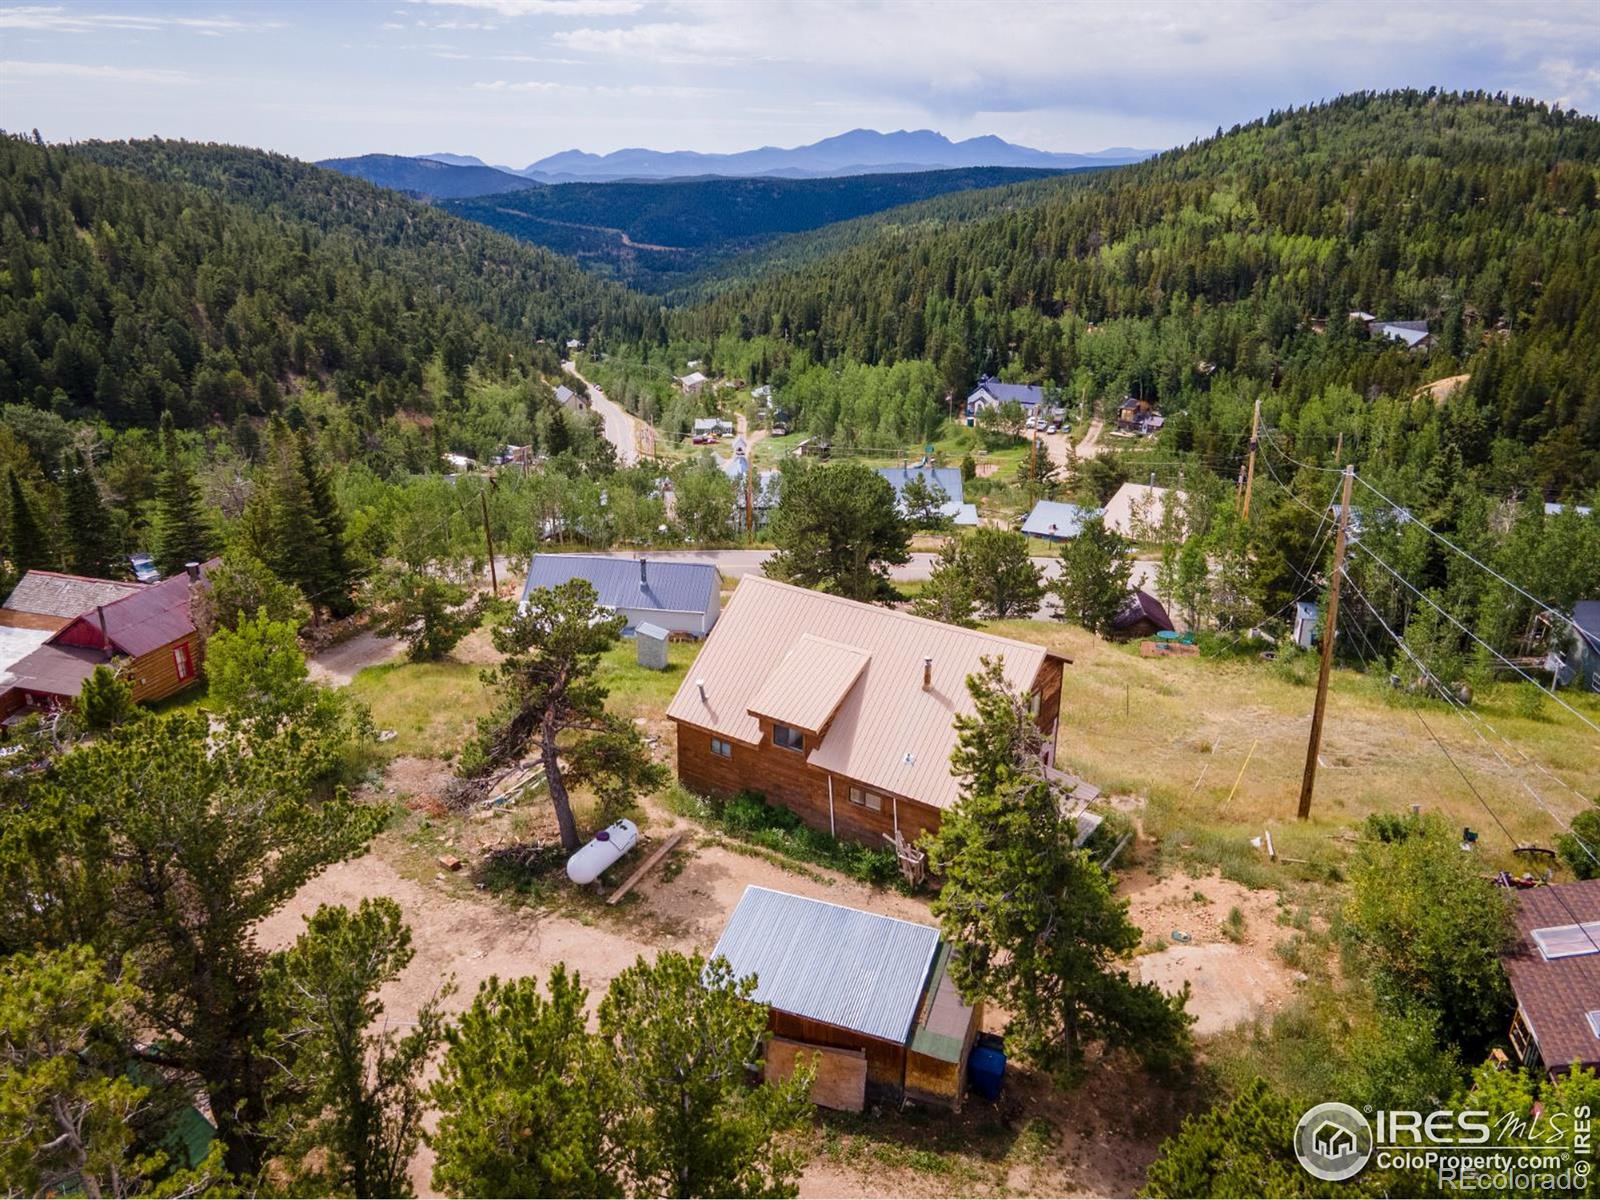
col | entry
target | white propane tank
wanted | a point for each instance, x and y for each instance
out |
(610, 844)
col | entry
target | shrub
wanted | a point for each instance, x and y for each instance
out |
(1580, 848)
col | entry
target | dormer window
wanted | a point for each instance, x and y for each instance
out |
(787, 737)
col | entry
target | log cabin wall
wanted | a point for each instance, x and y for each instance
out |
(784, 777)
(156, 676)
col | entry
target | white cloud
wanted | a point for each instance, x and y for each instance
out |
(17, 69)
(41, 18)
(547, 8)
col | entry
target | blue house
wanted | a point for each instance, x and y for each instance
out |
(947, 479)
(680, 597)
(991, 393)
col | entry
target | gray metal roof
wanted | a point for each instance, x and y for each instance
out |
(947, 478)
(1054, 518)
(828, 963)
(1025, 394)
(633, 583)
(646, 630)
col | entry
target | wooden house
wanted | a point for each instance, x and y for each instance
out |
(842, 712)
(1141, 617)
(1554, 969)
(869, 996)
(148, 635)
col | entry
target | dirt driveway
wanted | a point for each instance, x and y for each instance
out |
(338, 665)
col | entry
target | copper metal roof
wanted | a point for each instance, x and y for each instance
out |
(152, 617)
(825, 962)
(807, 687)
(1557, 995)
(888, 731)
(56, 670)
(1138, 510)
(51, 593)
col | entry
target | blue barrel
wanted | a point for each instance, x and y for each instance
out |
(986, 1069)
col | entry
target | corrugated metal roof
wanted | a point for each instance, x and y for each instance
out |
(889, 732)
(668, 586)
(17, 644)
(57, 670)
(150, 618)
(53, 594)
(1138, 510)
(948, 479)
(1023, 393)
(646, 630)
(1055, 519)
(825, 962)
(810, 683)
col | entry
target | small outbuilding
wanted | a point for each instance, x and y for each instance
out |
(870, 995)
(652, 643)
(1142, 617)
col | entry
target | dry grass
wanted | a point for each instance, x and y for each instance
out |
(1178, 732)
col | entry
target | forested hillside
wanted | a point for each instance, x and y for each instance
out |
(427, 177)
(666, 234)
(206, 281)
(1225, 270)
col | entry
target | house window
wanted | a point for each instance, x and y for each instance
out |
(721, 748)
(1594, 1021)
(789, 739)
(1034, 701)
(866, 799)
(181, 660)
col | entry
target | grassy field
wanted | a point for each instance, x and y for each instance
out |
(1179, 731)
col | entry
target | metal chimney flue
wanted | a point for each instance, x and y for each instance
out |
(194, 571)
(927, 673)
(700, 686)
(644, 575)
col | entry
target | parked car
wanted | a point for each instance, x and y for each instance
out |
(705, 439)
(1052, 428)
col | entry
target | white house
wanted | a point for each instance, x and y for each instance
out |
(691, 384)
(1138, 511)
(680, 597)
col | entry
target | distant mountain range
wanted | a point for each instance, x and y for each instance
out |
(859, 152)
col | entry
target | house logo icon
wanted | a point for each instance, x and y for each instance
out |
(1333, 1141)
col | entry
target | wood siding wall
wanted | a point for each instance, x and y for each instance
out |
(155, 675)
(886, 1061)
(784, 777)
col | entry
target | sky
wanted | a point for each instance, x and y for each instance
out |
(514, 80)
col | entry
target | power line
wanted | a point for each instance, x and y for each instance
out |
(1461, 710)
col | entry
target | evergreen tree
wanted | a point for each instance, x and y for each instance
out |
(430, 613)
(950, 594)
(91, 539)
(183, 532)
(1004, 579)
(105, 700)
(837, 530)
(1093, 586)
(1032, 920)
(26, 545)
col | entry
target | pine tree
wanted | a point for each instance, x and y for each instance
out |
(183, 533)
(90, 538)
(26, 545)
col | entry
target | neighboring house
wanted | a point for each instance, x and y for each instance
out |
(717, 425)
(148, 635)
(1554, 968)
(1582, 657)
(841, 711)
(1141, 617)
(459, 462)
(570, 399)
(948, 479)
(762, 393)
(870, 995)
(1414, 334)
(692, 383)
(991, 393)
(51, 600)
(1137, 415)
(1138, 511)
(756, 496)
(1057, 521)
(814, 447)
(680, 597)
(574, 344)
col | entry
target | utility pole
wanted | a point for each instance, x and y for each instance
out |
(494, 580)
(1314, 747)
(1338, 451)
(1250, 469)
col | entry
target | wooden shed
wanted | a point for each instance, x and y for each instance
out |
(869, 995)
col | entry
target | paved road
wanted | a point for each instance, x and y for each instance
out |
(619, 426)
